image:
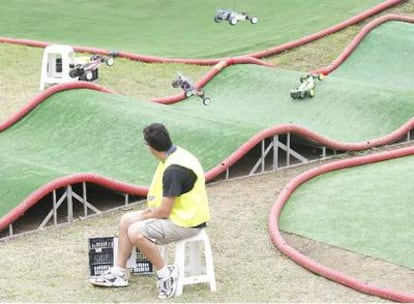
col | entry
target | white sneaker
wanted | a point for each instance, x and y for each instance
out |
(167, 286)
(111, 278)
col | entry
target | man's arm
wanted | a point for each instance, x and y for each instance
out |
(161, 212)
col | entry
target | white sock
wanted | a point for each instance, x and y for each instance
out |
(118, 269)
(163, 272)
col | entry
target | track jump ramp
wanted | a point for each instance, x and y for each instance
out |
(84, 135)
(282, 25)
(362, 204)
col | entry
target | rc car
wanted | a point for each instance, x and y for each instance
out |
(88, 70)
(306, 87)
(189, 89)
(233, 17)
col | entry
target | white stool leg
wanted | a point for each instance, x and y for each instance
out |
(180, 262)
(44, 71)
(197, 272)
(209, 264)
(194, 267)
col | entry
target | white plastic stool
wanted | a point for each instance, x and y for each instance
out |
(56, 63)
(194, 272)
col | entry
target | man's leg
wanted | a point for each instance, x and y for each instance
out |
(117, 276)
(125, 243)
(163, 231)
(140, 234)
(145, 246)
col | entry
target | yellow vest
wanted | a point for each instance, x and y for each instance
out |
(190, 209)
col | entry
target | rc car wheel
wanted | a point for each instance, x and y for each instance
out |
(89, 75)
(175, 83)
(294, 95)
(233, 21)
(303, 78)
(110, 61)
(253, 20)
(188, 93)
(206, 101)
(73, 73)
(311, 93)
(217, 19)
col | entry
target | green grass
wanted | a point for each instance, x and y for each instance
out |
(20, 66)
(83, 120)
(364, 218)
(51, 266)
(167, 28)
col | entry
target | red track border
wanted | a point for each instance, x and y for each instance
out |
(217, 68)
(261, 54)
(278, 206)
(358, 38)
(39, 98)
(227, 162)
(295, 255)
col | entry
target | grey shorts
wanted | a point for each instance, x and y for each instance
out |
(164, 231)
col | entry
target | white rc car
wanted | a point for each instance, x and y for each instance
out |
(233, 17)
(88, 70)
(189, 89)
(306, 87)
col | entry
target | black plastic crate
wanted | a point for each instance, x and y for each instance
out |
(141, 264)
(101, 255)
(140, 256)
(97, 270)
(101, 242)
(142, 267)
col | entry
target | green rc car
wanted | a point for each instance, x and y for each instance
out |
(306, 87)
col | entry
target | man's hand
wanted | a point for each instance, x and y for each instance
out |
(161, 212)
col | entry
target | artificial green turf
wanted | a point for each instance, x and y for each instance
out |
(172, 28)
(383, 59)
(369, 96)
(86, 131)
(367, 209)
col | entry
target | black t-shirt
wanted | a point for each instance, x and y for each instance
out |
(177, 180)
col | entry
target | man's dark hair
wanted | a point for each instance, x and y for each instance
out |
(157, 136)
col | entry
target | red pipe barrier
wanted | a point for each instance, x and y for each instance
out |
(239, 153)
(358, 38)
(261, 54)
(311, 135)
(211, 74)
(306, 262)
(47, 93)
(37, 195)
(211, 174)
(354, 20)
